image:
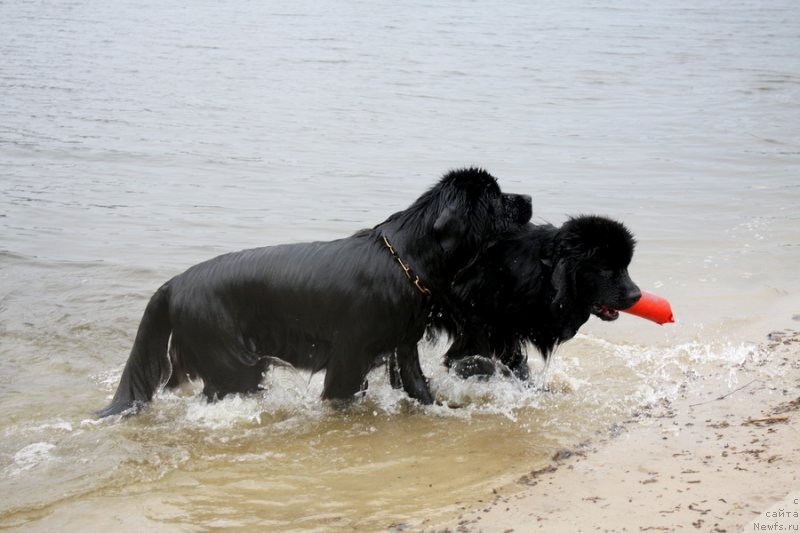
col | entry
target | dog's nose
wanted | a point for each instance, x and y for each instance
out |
(524, 208)
(634, 294)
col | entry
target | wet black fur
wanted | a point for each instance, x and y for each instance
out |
(538, 284)
(339, 306)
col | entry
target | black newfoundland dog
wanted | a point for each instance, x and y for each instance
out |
(341, 306)
(537, 284)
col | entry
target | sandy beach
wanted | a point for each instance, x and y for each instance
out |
(716, 458)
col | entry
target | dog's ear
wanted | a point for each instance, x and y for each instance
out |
(449, 229)
(563, 281)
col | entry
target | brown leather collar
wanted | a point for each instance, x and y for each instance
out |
(414, 278)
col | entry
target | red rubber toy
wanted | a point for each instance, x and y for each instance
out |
(652, 307)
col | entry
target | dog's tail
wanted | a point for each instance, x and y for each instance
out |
(148, 366)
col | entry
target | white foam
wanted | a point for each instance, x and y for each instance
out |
(224, 413)
(30, 457)
(60, 425)
(586, 373)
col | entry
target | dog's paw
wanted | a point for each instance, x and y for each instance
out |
(474, 365)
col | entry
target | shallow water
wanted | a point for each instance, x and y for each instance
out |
(135, 142)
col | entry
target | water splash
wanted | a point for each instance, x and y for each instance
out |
(30, 457)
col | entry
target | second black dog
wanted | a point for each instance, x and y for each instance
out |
(538, 284)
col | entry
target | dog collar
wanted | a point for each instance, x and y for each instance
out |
(412, 277)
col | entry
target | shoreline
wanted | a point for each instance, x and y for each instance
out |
(714, 458)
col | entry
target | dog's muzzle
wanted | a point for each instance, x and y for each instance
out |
(518, 208)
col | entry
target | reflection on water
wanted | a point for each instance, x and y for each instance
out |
(135, 142)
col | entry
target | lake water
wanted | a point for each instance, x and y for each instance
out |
(139, 139)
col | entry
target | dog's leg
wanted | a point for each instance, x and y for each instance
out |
(457, 350)
(393, 368)
(223, 362)
(470, 343)
(474, 366)
(236, 379)
(413, 380)
(470, 355)
(520, 367)
(515, 357)
(345, 376)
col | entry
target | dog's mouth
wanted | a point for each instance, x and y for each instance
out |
(604, 312)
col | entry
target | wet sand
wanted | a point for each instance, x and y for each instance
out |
(715, 458)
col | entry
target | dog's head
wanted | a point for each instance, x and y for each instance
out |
(473, 210)
(591, 269)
